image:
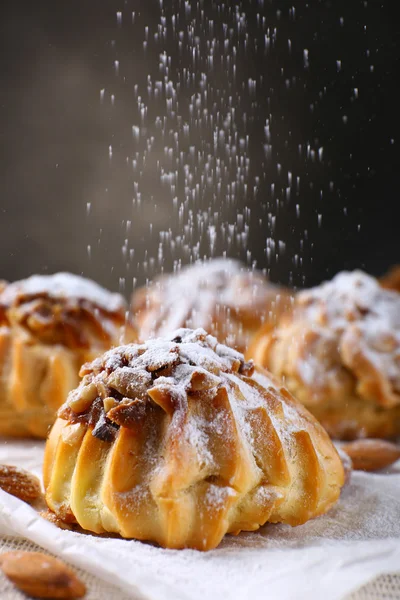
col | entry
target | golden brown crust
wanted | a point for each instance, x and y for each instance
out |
(49, 326)
(391, 279)
(63, 309)
(339, 354)
(179, 441)
(220, 296)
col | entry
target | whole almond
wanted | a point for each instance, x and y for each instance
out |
(41, 576)
(20, 483)
(371, 455)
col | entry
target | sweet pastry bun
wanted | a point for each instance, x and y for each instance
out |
(338, 352)
(179, 441)
(220, 296)
(49, 326)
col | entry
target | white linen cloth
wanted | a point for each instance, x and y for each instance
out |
(327, 558)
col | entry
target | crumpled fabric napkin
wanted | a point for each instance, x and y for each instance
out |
(326, 558)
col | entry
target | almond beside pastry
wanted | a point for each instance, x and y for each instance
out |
(20, 483)
(41, 576)
(371, 455)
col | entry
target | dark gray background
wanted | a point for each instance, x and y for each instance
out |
(55, 135)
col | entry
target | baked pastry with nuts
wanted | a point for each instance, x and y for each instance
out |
(338, 352)
(49, 326)
(221, 296)
(179, 441)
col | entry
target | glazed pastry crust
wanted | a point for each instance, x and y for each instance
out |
(220, 296)
(49, 326)
(339, 354)
(178, 441)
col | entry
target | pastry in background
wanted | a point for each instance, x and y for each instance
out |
(222, 296)
(338, 352)
(49, 326)
(179, 441)
(391, 279)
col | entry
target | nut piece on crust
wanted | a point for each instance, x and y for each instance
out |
(20, 483)
(41, 576)
(195, 444)
(49, 326)
(221, 296)
(339, 353)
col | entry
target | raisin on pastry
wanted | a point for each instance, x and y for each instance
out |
(49, 326)
(179, 441)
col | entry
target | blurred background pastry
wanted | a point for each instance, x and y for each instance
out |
(49, 326)
(179, 441)
(222, 296)
(338, 352)
(391, 279)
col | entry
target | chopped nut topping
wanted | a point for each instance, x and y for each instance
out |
(118, 388)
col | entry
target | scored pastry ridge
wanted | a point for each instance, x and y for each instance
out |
(179, 441)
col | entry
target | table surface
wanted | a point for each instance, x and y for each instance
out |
(384, 587)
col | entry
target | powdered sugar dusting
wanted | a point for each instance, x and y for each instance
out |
(186, 362)
(200, 293)
(191, 351)
(349, 297)
(197, 434)
(63, 285)
(360, 322)
(227, 280)
(216, 431)
(216, 495)
(253, 399)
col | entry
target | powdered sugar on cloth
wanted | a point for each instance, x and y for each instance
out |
(326, 558)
